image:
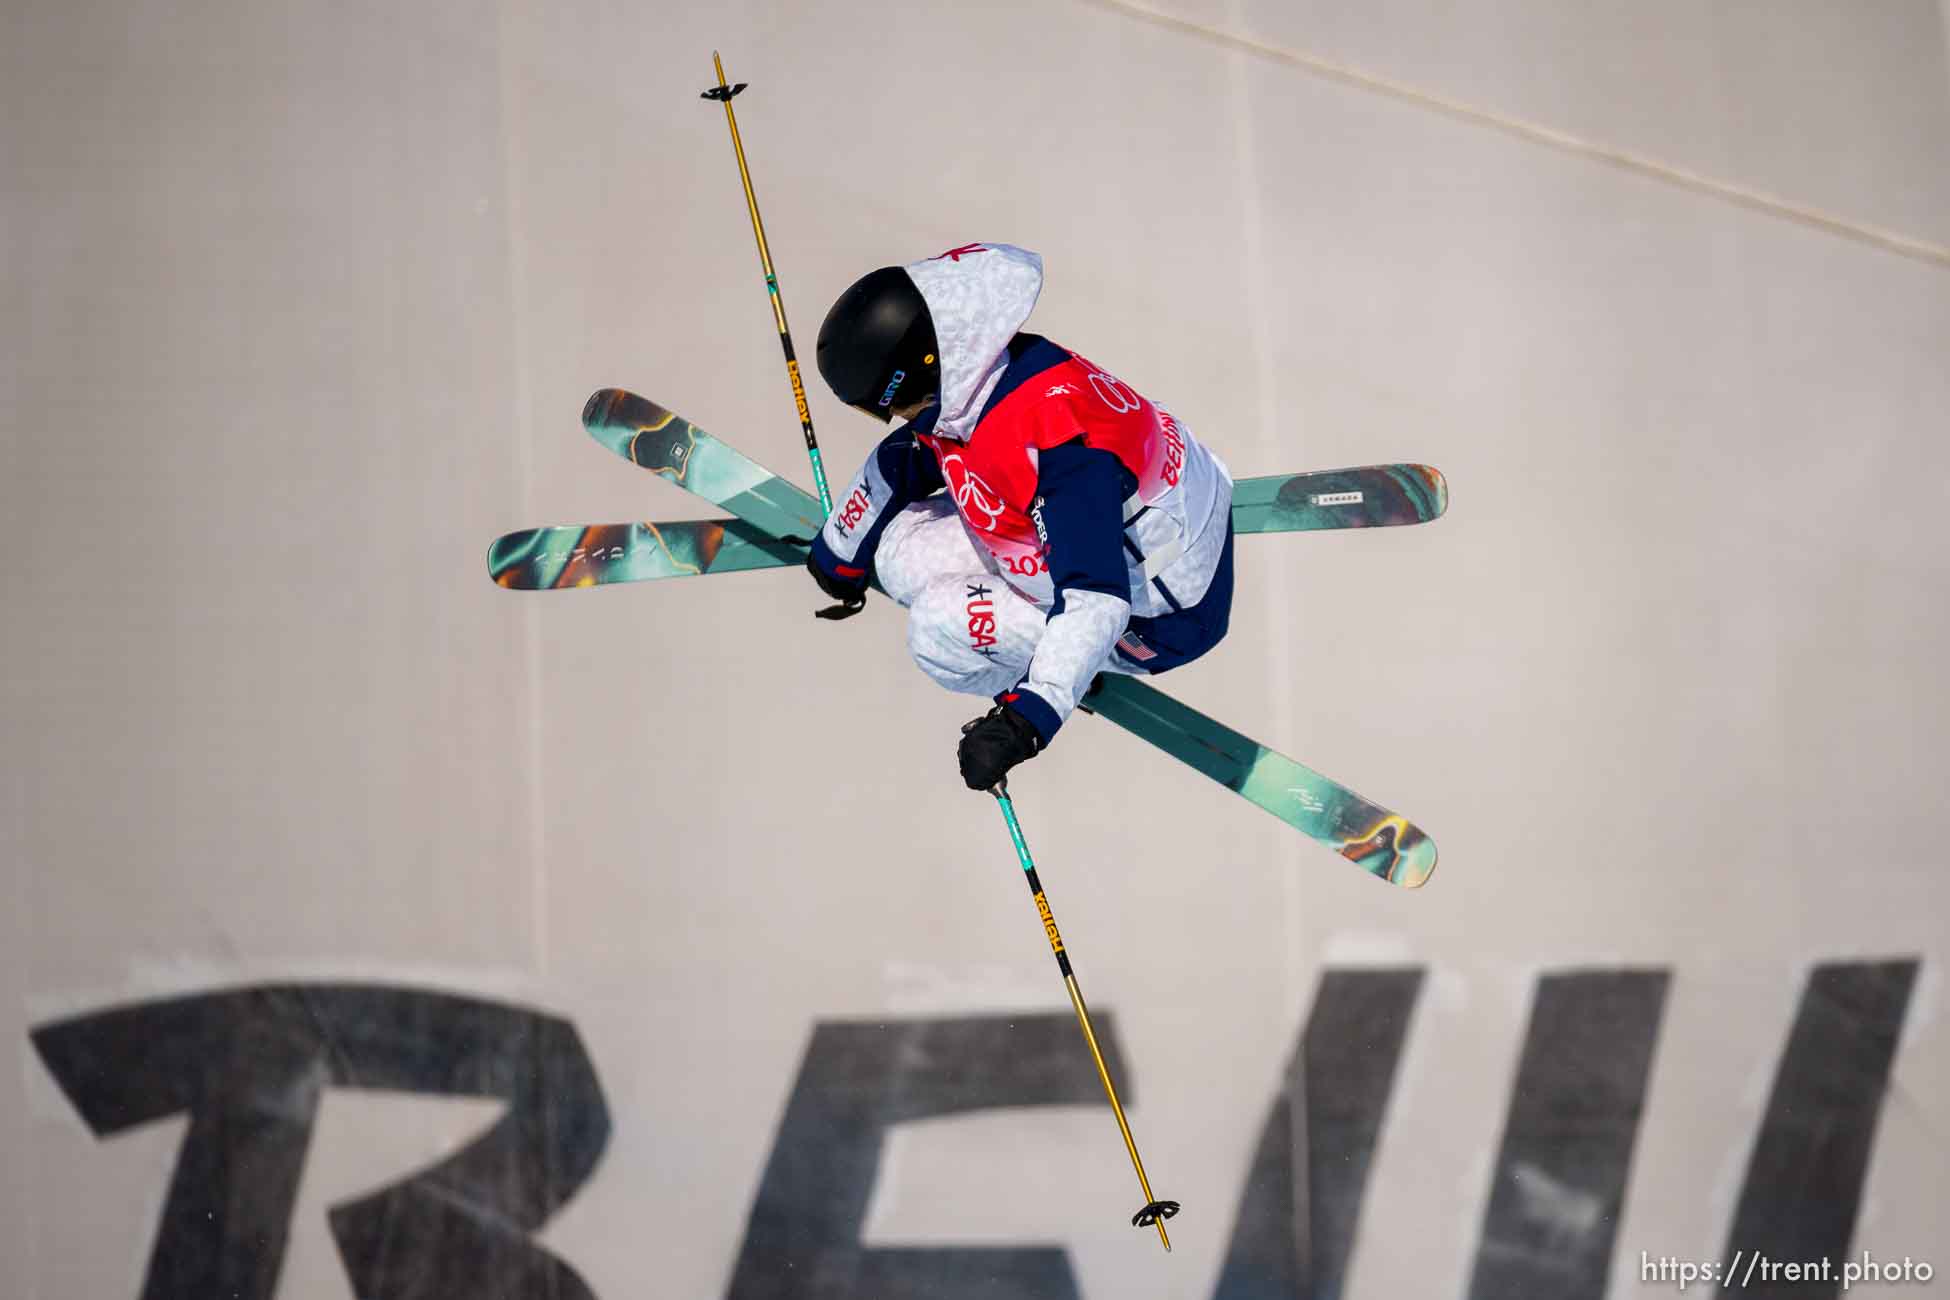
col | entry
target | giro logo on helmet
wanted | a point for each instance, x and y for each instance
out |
(893, 386)
(978, 502)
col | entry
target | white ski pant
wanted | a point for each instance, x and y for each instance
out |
(966, 628)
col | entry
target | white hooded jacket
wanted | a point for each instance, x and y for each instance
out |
(978, 298)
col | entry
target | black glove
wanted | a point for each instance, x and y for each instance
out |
(850, 593)
(994, 743)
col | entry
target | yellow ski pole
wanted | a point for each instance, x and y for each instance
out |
(724, 93)
(1155, 1211)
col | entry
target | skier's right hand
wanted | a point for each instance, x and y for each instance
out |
(845, 583)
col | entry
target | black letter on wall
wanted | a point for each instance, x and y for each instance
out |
(1567, 1141)
(858, 1080)
(1303, 1195)
(1804, 1180)
(249, 1066)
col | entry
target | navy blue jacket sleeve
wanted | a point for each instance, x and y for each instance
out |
(1079, 514)
(898, 473)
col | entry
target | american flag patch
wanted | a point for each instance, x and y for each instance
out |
(1131, 645)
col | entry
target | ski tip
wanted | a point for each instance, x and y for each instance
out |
(596, 410)
(1415, 863)
(1396, 851)
(504, 558)
(508, 561)
(1438, 490)
(615, 416)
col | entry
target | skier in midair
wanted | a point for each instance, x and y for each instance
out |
(1039, 519)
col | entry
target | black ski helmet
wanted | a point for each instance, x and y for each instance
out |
(876, 346)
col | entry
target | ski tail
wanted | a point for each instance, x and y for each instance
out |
(1366, 496)
(590, 555)
(1380, 842)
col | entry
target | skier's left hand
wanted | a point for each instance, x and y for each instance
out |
(994, 743)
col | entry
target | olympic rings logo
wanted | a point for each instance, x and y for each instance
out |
(972, 495)
(1115, 393)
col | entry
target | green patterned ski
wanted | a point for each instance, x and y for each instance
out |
(1380, 842)
(588, 555)
(1367, 496)
(668, 445)
(585, 555)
